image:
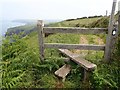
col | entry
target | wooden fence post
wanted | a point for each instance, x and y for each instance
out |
(40, 38)
(108, 46)
(119, 18)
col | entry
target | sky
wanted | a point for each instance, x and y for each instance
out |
(53, 9)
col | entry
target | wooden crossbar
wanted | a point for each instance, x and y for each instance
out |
(74, 30)
(74, 46)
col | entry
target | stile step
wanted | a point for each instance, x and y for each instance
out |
(82, 62)
(63, 71)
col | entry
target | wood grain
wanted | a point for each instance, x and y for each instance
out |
(74, 46)
(82, 62)
(74, 30)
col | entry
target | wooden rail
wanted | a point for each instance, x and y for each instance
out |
(74, 46)
(74, 30)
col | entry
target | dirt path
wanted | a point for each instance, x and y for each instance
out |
(84, 40)
(99, 41)
(59, 84)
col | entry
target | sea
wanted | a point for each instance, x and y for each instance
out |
(5, 24)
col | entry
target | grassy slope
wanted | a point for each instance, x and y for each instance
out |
(74, 79)
(75, 23)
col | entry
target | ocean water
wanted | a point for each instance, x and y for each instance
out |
(5, 24)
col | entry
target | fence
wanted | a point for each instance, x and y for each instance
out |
(111, 31)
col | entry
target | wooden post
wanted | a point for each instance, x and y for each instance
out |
(86, 80)
(106, 13)
(108, 46)
(40, 37)
(86, 76)
(119, 18)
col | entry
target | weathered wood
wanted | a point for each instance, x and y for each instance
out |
(119, 17)
(66, 60)
(82, 62)
(86, 76)
(74, 30)
(40, 37)
(106, 13)
(86, 79)
(108, 51)
(63, 71)
(74, 46)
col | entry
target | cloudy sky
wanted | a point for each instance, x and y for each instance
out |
(53, 9)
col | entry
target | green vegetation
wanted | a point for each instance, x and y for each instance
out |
(76, 23)
(21, 66)
(23, 30)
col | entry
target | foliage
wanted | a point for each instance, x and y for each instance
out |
(106, 76)
(21, 67)
(16, 63)
(101, 23)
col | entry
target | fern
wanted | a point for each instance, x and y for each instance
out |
(15, 80)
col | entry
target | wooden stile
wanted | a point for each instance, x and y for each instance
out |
(87, 65)
(109, 40)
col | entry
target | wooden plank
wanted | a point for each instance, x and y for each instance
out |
(66, 60)
(40, 37)
(74, 46)
(82, 62)
(74, 30)
(63, 71)
(108, 47)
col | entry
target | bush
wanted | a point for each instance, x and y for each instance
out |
(69, 19)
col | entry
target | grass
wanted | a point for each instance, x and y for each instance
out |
(75, 23)
(44, 77)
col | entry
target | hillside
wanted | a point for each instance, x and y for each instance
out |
(79, 22)
(21, 66)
